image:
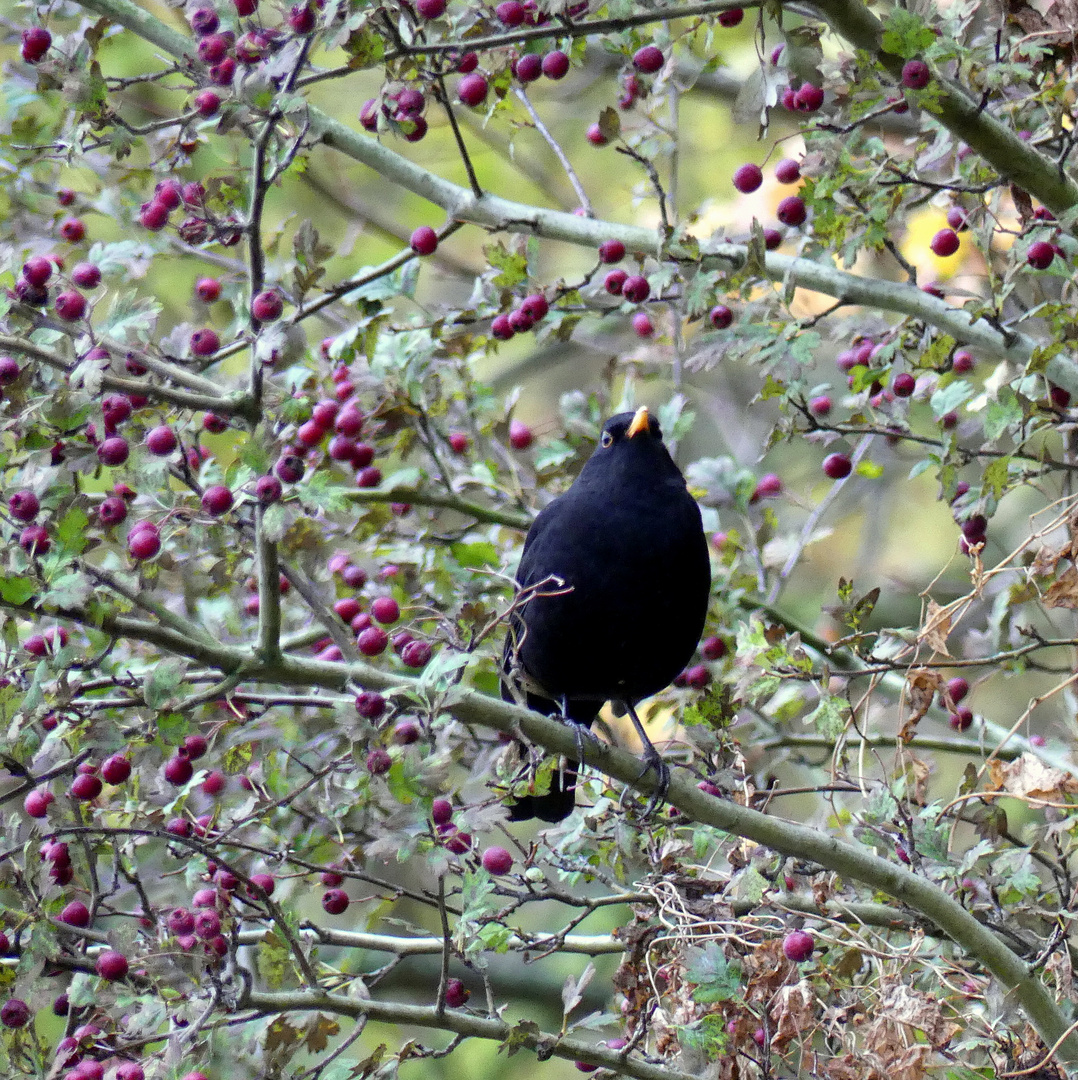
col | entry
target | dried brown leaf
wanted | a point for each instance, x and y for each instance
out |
(1063, 592)
(1031, 777)
(792, 1012)
(936, 628)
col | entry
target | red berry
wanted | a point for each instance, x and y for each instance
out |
(713, 648)
(372, 641)
(111, 965)
(944, 243)
(115, 769)
(837, 466)
(424, 240)
(368, 115)
(335, 901)
(75, 914)
(86, 787)
(500, 328)
(957, 689)
(179, 770)
(648, 59)
(370, 705)
(772, 239)
(207, 289)
(456, 996)
(379, 761)
(245, 7)
(798, 946)
(113, 451)
(386, 610)
(205, 342)
(214, 783)
(767, 487)
(86, 275)
(611, 251)
(65, 196)
(787, 171)
(35, 43)
(697, 676)
(915, 74)
(510, 12)
(194, 746)
(791, 211)
(555, 65)
(161, 440)
(416, 654)
(615, 282)
(536, 306)
(15, 1013)
(1040, 254)
(472, 89)
(635, 288)
(809, 98)
(267, 305)
(961, 719)
(71, 305)
(904, 384)
(721, 316)
(153, 215)
(301, 18)
(732, 17)
(459, 442)
(430, 9)
(36, 803)
(204, 21)
(37, 270)
(963, 362)
(957, 218)
(520, 435)
(24, 505)
(267, 489)
(496, 860)
(217, 500)
(748, 178)
(642, 324)
(369, 477)
(34, 540)
(528, 67)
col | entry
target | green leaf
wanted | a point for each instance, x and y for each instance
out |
(996, 477)
(715, 978)
(71, 531)
(163, 682)
(948, 398)
(830, 716)
(1002, 415)
(479, 553)
(512, 264)
(17, 590)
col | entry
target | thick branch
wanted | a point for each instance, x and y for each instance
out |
(463, 1023)
(961, 113)
(504, 214)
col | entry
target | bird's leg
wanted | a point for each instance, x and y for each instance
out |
(652, 760)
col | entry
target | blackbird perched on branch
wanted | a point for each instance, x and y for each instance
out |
(613, 588)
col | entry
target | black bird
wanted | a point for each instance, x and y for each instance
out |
(613, 588)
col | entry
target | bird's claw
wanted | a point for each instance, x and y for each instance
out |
(653, 761)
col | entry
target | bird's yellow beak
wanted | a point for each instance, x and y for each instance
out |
(640, 422)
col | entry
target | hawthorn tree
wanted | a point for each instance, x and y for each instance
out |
(263, 496)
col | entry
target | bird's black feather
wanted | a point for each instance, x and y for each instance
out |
(614, 582)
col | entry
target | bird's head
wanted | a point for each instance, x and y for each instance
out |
(631, 453)
(628, 426)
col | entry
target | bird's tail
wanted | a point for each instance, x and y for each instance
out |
(558, 803)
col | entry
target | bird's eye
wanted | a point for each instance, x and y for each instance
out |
(606, 439)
